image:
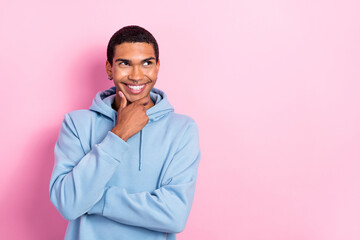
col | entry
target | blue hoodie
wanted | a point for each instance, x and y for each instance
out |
(111, 189)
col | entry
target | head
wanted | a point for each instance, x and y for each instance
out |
(133, 63)
(131, 34)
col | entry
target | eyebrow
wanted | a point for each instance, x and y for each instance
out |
(129, 61)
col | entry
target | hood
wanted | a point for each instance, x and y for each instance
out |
(104, 99)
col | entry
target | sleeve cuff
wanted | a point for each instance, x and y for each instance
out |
(113, 145)
(99, 206)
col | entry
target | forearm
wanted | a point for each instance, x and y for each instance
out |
(74, 189)
(164, 210)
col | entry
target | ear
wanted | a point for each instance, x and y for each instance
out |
(108, 69)
(158, 65)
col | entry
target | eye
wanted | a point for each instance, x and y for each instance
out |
(123, 64)
(147, 63)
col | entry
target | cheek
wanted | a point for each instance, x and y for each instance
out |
(120, 72)
(152, 73)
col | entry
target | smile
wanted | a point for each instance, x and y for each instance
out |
(135, 89)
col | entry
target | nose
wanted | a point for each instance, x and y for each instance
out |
(136, 74)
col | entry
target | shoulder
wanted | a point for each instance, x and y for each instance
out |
(187, 133)
(186, 124)
(181, 118)
(82, 115)
(78, 119)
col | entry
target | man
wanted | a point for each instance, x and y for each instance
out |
(127, 167)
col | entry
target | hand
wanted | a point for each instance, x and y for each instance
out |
(132, 118)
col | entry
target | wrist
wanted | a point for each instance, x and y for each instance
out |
(120, 133)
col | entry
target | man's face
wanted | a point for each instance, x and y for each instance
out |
(134, 69)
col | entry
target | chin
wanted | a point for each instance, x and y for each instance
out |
(133, 97)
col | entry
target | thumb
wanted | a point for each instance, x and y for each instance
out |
(123, 101)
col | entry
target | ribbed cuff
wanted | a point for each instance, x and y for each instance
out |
(114, 145)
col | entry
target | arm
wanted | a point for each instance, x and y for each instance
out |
(165, 209)
(78, 179)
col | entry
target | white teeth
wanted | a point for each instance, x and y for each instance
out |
(136, 87)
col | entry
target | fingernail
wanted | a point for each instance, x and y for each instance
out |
(121, 94)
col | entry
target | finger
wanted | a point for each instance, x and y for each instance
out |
(142, 101)
(123, 101)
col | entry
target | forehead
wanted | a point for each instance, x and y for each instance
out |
(133, 51)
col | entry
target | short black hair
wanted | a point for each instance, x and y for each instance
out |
(131, 34)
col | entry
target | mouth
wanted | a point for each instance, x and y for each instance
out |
(135, 89)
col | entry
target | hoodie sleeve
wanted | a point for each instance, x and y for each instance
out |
(167, 208)
(78, 179)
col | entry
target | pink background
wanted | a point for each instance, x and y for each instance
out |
(273, 85)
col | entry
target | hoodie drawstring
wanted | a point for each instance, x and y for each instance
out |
(140, 150)
(103, 101)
